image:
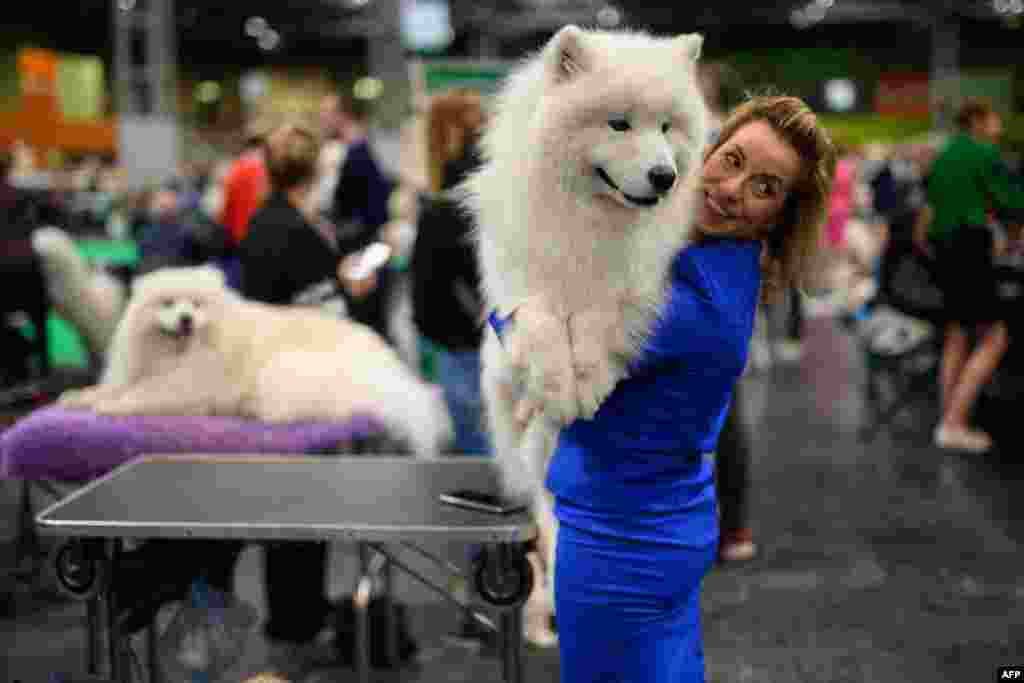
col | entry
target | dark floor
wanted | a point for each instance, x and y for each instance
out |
(888, 563)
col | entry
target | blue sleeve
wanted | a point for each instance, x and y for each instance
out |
(711, 303)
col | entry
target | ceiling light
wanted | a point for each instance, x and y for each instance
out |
(814, 13)
(255, 26)
(126, 5)
(840, 94)
(253, 86)
(270, 39)
(1008, 7)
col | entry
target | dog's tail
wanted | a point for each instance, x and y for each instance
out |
(91, 300)
(416, 411)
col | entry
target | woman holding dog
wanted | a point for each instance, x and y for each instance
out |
(635, 496)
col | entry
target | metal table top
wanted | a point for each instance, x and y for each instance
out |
(260, 497)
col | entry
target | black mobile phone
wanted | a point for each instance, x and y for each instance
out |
(482, 502)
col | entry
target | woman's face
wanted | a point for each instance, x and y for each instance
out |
(746, 182)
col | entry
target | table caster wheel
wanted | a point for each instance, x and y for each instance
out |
(507, 586)
(79, 569)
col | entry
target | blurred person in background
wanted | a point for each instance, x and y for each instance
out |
(360, 209)
(212, 201)
(332, 156)
(446, 302)
(967, 180)
(246, 184)
(732, 456)
(284, 260)
(287, 257)
(9, 195)
(163, 240)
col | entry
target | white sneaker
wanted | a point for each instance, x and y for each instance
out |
(970, 440)
(789, 351)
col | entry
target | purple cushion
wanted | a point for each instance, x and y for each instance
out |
(76, 445)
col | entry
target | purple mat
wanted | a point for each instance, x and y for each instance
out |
(76, 445)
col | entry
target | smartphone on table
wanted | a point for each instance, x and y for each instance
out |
(482, 502)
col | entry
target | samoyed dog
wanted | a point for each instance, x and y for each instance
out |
(587, 189)
(188, 345)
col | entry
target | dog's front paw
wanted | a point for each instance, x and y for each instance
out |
(596, 377)
(538, 345)
(598, 352)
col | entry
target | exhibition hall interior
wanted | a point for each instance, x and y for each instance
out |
(408, 340)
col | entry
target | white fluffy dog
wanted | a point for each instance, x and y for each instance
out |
(89, 298)
(187, 345)
(586, 193)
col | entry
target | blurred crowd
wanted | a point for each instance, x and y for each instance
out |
(394, 251)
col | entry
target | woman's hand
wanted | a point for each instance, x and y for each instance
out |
(356, 287)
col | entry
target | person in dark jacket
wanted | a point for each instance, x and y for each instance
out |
(447, 307)
(360, 210)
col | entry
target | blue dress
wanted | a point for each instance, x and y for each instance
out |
(634, 494)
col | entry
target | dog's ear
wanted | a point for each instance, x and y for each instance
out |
(689, 45)
(568, 55)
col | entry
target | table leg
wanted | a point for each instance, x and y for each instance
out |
(95, 644)
(360, 607)
(391, 616)
(512, 645)
(152, 660)
(113, 627)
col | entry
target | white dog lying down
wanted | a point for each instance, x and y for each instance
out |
(187, 345)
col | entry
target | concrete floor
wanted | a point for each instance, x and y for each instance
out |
(888, 563)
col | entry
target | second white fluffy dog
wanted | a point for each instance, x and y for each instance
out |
(187, 345)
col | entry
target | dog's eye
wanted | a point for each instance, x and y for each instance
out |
(167, 303)
(619, 124)
(665, 127)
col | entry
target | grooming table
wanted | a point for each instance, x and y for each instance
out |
(53, 447)
(376, 501)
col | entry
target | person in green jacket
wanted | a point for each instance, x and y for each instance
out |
(968, 181)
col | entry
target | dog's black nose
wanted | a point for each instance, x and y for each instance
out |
(662, 178)
(185, 323)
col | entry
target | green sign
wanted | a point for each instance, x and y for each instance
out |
(485, 76)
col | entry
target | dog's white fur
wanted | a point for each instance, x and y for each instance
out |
(91, 299)
(580, 264)
(187, 345)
